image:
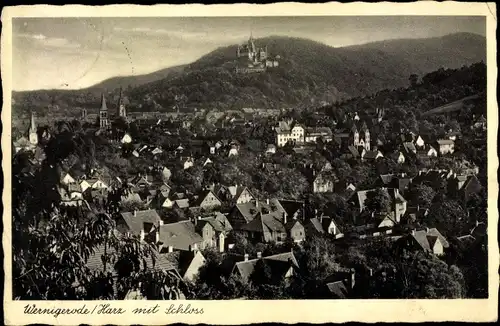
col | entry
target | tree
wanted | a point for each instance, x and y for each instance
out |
(423, 195)
(448, 216)
(378, 201)
(52, 245)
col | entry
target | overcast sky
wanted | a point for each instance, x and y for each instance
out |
(70, 53)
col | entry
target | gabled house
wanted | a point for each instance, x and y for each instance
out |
(95, 183)
(322, 225)
(140, 223)
(207, 161)
(271, 149)
(207, 200)
(427, 240)
(233, 151)
(445, 146)
(187, 163)
(371, 155)
(244, 213)
(398, 202)
(66, 179)
(236, 194)
(399, 157)
(463, 186)
(339, 285)
(265, 222)
(166, 173)
(282, 266)
(187, 263)
(189, 236)
(218, 231)
(419, 142)
(126, 139)
(181, 203)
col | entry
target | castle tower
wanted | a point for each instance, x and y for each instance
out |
(252, 51)
(33, 136)
(103, 114)
(121, 106)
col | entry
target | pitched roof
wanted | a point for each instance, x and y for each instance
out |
(279, 265)
(219, 222)
(135, 220)
(292, 207)
(316, 224)
(392, 193)
(337, 289)
(409, 147)
(180, 235)
(445, 142)
(427, 238)
(386, 178)
(250, 210)
(371, 154)
(182, 203)
(353, 150)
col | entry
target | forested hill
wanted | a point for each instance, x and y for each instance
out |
(309, 72)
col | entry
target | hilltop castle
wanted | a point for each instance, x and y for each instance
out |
(258, 58)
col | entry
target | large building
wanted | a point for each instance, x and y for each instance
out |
(258, 58)
(121, 106)
(103, 114)
(289, 131)
(33, 136)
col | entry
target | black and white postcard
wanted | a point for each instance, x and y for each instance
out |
(250, 163)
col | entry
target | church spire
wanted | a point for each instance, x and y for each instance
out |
(121, 106)
(103, 114)
(103, 103)
(33, 136)
(32, 123)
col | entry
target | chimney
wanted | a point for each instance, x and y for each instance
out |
(267, 201)
(426, 230)
(157, 234)
(170, 249)
(135, 212)
(246, 257)
(370, 272)
(284, 218)
(257, 203)
(143, 235)
(413, 232)
(259, 254)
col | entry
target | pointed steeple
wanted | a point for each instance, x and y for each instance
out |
(103, 103)
(33, 136)
(32, 123)
(121, 106)
(103, 114)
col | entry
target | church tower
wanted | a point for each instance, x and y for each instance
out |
(367, 139)
(33, 136)
(355, 136)
(103, 114)
(121, 106)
